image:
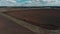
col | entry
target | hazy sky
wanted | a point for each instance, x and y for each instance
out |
(29, 2)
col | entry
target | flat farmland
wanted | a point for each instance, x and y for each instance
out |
(46, 18)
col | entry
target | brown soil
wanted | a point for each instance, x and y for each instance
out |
(9, 27)
(49, 19)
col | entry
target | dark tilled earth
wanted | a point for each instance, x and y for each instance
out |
(9, 27)
(46, 18)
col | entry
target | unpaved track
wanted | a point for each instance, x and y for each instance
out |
(9, 27)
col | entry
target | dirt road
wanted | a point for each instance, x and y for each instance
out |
(9, 27)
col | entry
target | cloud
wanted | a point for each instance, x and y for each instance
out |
(29, 2)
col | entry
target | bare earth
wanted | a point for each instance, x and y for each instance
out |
(49, 19)
(9, 27)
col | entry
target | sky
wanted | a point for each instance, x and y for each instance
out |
(29, 2)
